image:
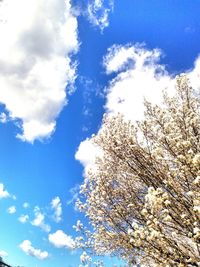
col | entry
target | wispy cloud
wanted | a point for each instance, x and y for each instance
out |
(57, 207)
(60, 240)
(38, 38)
(3, 192)
(27, 247)
(12, 210)
(98, 12)
(189, 30)
(74, 191)
(23, 218)
(14, 197)
(26, 205)
(39, 220)
(3, 117)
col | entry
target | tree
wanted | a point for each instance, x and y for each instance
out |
(142, 196)
(3, 264)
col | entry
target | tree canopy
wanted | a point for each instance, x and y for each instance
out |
(142, 196)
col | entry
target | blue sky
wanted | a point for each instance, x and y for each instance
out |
(62, 66)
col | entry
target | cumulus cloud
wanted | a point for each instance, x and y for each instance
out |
(39, 220)
(138, 76)
(3, 192)
(60, 240)
(3, 253)
(98, 12)
(12, 210)
(86, 154)
(27, 247)
(57, 207)
(23, 218)
(194, 75)
(38, 38)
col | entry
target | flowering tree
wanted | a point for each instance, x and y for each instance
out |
(86, 261)
(142, 196)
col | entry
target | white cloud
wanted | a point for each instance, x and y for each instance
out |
(3, 117)
(86, 154)
(12, 210)
(26, 205)
(194, 75)
(57, 207)
(39, 220)
(60, 240)
(74, 191)
(14, 197)
(27, 247)
(118, 56)
(37, 40)
(138, 75)
(98, 12)
(3, 253)
(141, 77)
(23, 218)
(3, 192)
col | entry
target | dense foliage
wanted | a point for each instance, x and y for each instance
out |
(142, 196)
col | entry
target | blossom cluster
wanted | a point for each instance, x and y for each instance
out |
(142, 197)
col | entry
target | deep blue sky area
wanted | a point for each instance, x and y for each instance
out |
(44, 168)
